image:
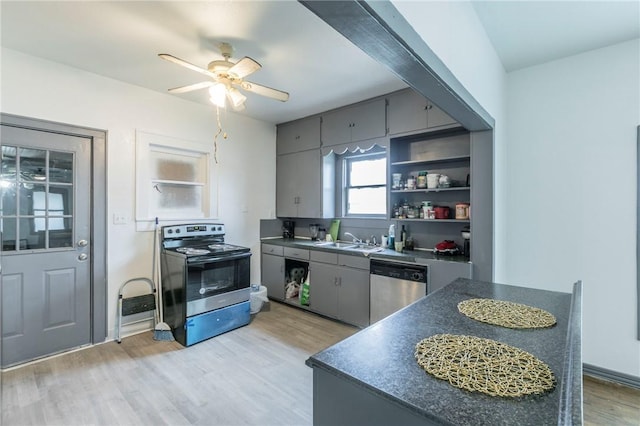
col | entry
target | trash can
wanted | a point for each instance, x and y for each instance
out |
(257, 298)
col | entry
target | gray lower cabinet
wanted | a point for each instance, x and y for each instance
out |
(323, 290)
(442, 273)
(340, 292)
(353, 296)
(273, 275)
(409, 111)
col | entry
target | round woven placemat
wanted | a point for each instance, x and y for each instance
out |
(484, 365)
(506, 314)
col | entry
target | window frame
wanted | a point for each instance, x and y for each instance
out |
(347, 159)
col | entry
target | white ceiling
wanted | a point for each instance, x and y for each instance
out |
(299, 53)
(526, 33)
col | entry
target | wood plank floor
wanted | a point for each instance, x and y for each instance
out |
(254, 375)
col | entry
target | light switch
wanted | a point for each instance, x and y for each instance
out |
(119, 219)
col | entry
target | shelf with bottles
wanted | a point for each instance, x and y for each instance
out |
(423, 190)
(433, 220)
(441, 210)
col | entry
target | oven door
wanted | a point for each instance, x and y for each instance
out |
(217, 282)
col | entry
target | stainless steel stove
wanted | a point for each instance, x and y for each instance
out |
(205, 282)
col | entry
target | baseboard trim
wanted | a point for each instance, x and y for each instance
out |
(611, 376)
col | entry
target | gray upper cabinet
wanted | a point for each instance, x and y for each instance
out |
(299, 135)
(409, 111)
(304, 185)
(354, 123)
(298, 184)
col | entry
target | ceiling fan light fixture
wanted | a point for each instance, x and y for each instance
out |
(237, 99)
(217, 94)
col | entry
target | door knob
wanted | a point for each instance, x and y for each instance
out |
(82, 256)
(83, 243)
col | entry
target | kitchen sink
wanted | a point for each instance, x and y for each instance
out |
(365, 248)
(335, 244)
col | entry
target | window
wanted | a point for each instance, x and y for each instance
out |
(175, 179)
(365, 184)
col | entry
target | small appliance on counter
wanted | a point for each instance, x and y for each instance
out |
(446, 247)
(466, 248)
(288, 227)
(314, 229)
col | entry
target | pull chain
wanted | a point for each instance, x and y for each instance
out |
(215, 138)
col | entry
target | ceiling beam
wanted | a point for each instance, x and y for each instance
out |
(378, 29)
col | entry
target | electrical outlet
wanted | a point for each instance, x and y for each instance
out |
(119, 219)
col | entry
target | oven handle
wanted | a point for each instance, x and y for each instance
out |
(219, 258)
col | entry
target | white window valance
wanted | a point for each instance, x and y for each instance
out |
(362, 146)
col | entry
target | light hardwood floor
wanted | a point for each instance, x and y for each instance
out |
(254, 375)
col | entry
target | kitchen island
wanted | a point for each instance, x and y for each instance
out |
(373, 378)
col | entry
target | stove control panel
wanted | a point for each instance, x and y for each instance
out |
(193, 230)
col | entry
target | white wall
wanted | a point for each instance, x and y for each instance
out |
(454, 33)
(46, 90)
(564, 142)
(572, 192)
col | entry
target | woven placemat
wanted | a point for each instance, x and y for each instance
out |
(484, 365)
(506, 314)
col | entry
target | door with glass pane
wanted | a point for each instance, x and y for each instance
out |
(45, 189)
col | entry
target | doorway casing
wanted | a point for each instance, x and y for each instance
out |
(98, 210)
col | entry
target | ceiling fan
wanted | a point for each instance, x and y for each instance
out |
(226, 77)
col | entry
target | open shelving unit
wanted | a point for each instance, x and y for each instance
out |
(446, 152)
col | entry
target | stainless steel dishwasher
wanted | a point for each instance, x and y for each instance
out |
(394, 285)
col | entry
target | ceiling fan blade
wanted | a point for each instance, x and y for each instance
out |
(186, 64)
(191, 87)
(244, 67)
(265, 91)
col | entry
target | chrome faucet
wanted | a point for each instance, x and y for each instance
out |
(355, 239)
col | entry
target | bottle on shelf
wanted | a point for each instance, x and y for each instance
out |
(403, 235)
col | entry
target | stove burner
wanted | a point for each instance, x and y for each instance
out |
(191, 251)
(219, 247)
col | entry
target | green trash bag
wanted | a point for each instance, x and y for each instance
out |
(304, 291)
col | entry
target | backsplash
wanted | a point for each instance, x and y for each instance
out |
(425, 235)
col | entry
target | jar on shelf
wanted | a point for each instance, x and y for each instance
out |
(397, 181)
(427, 207)
(411, 183)
(421, 182)
(411, 212)
(462, 211)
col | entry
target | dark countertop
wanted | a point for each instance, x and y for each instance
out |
(381, 359)
(414, 256)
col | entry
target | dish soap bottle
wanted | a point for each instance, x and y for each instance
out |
(392, 234)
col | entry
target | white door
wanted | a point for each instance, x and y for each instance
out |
(45, 214)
